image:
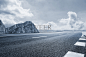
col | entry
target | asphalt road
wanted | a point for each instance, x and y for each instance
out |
(39, 45)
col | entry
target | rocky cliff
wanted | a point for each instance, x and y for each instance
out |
(2, 27)
(26, 27)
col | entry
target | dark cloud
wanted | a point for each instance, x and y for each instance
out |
(3, 3)
(6, 12)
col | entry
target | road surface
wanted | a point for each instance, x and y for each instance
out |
(43, 45)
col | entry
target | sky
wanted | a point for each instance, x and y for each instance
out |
(60, 14)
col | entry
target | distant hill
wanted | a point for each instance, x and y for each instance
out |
(26, 27)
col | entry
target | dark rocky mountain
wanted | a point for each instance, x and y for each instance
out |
(2, 27)
(26, 27)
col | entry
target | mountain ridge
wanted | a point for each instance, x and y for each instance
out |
(26, 27)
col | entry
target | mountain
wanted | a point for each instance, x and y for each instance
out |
(2, 27)
(26, 27)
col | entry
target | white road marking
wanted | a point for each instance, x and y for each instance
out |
(83, 33)
(35, 37)
(80, 44)
(73, 54)
(43, 36)
(82, 39)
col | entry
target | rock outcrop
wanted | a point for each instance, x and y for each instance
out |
(2, 28)
(26, 27)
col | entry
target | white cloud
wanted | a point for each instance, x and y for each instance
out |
(64, 21)
(8, 20)
(14, 7)
(71, 23)
(59, 26)
(72, 15)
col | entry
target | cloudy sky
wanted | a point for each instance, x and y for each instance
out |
(61, 14)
